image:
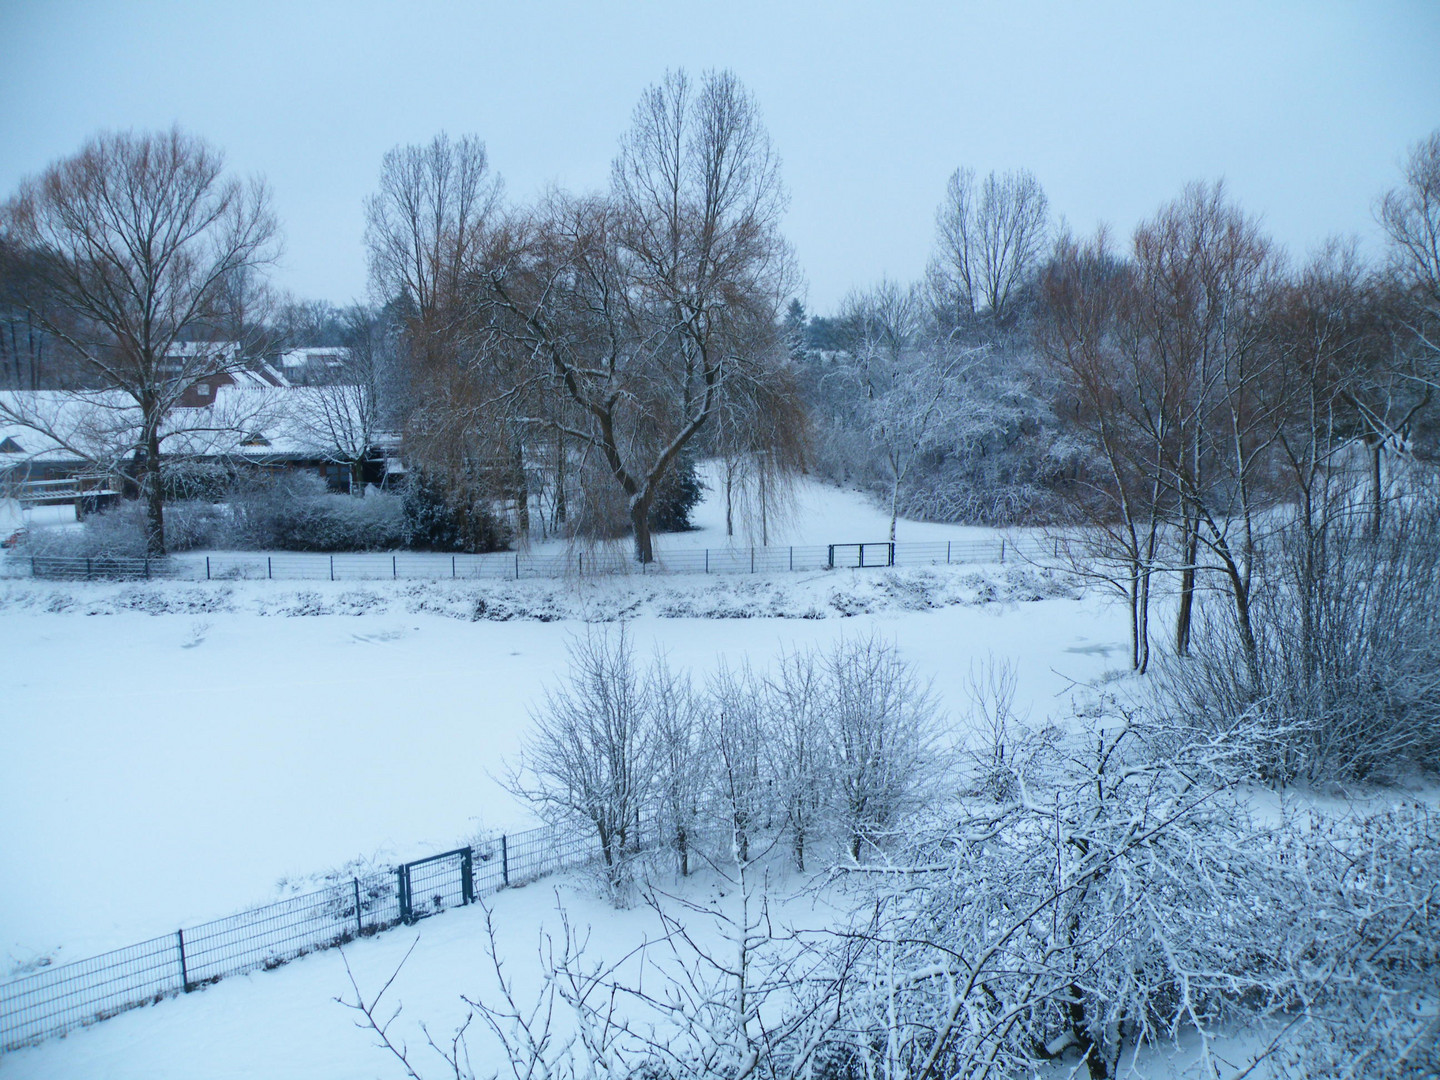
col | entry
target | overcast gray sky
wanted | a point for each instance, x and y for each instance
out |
(1305, 109)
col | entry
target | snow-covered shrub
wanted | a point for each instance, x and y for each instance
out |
(1110, 892)
(193, 524)
(120, 531)
(116, 532)
(1347, 628)
(1362, 946)
(438, 517)
(190, 481)
(295, 512)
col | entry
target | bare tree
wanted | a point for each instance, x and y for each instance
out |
(884, 728)
(1404, 380)
(736, 742)
(653, 307)
(1202, 273)
(1410, 216)
(682, 769)
(801, 749)
(589, 757)
(1101, 395)
(988, 243)
(140, 241)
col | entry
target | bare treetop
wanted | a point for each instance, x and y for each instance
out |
(699, 187)
(988, 242)
(425, 223)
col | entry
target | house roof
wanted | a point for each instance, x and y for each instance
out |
(253, 420)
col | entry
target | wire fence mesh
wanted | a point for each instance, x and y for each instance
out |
(419, 565)
(55, 1000)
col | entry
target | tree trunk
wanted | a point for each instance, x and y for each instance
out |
(357, 479)
(682, 849)
(640, 523)
(560, 510)
(522, 494)
(764, 526)
(729, 498)
(1377, 491)
(1189, 551)
(154, 491)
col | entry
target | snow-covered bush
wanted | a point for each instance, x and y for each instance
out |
(1116, 893)
(295, 512)
(1347, 628)
(1112, 896)
(120, 531)
(116, 532)
(441, 517)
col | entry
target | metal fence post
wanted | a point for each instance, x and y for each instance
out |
(1002, 549)
(452, 566)
(792, 556)
(752, 558)
(947, 552)
(269, 567)
(707, 560)
(402, 890)
(184, 970)
(207, 567)
(87, 567)
(517, 566)
(394, 567)
(504, 859)
(147, 567)
(359, 924)
(332, 567)
(467, 875)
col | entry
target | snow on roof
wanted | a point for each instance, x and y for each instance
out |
(260, 375)
(323, 355)
(253, 419)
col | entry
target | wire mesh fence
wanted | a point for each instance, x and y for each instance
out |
(419, 565)
(55, 1000)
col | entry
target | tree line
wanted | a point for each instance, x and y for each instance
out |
(559, 366)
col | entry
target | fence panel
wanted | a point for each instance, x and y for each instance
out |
(270, 936)
(546, 850)
(52, 1001)
(55, 1000)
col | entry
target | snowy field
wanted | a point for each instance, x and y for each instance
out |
(175, 752)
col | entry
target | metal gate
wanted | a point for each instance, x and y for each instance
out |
(428, 886)
(861, 555)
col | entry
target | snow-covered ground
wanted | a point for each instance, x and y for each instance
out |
(175, 752)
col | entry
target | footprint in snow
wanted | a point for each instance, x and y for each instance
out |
(378, 638)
